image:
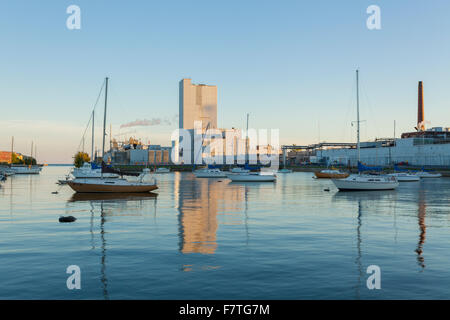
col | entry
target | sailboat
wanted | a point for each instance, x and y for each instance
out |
(245, 175)
(210, 171)
(112, 185)
(364, 181)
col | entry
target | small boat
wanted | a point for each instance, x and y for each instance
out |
(426, 174)
(89, 171)
(366, 182)
(26, 169)
(108, 185)
(2, 178)
(162, 170)
(6, 171)
(239, 170)
(252, 177)
(284, 170)
(331, 174)
(405, 177)
(209, 173)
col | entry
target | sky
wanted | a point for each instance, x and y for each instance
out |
(289, 64)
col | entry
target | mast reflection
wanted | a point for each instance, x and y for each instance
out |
(110, 205)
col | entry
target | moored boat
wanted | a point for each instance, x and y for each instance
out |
(426, 174)
(331, 174)
(366, 182)
(24, 169)
(162, 170)
(405, 177)
(105, 185)
(209, 173)
(252, 177)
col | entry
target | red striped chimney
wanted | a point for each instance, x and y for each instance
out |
(420, 113)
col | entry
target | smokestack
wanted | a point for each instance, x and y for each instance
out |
(420, 113)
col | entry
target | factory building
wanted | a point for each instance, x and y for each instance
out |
(423, 147)
(197, 102)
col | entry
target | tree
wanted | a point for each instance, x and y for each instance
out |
(80, 158)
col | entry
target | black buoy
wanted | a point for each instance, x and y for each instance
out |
(67, 219)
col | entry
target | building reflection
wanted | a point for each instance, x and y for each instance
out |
(198, 204)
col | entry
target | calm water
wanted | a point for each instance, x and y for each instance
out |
(213, 239)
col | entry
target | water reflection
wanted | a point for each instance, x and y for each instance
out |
(110, 205)
(199, 201)
(364, 200)
(423, 229)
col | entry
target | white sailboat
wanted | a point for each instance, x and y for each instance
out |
(112, 185)
(364, 181)
(405, 177)
(245, 175)
(162, 170)
(426, 174)
(209, 173)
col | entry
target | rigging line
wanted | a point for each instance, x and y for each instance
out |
(90, 118)
(372, 117)
(349, 107)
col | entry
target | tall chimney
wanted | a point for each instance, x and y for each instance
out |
(420, 113)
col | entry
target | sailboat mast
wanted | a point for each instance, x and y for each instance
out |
(104, 119)
(246, 142)
(92, 143)
(357, 115)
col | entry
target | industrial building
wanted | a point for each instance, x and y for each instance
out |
(423, 147)
(198, 102)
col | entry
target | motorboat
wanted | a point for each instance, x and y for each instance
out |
(405, 177)
(89, 171)
(366, 182)
(331, 174)
(162, 170)
(427, 174)
(252, 176)
(209, 173)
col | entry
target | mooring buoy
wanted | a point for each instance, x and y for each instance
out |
(67, 219)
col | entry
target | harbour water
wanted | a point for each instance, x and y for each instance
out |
(213, 239)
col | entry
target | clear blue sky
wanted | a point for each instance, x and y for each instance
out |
(290, 64)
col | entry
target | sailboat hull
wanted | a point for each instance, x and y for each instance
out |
(349, 185)
(103, 188)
